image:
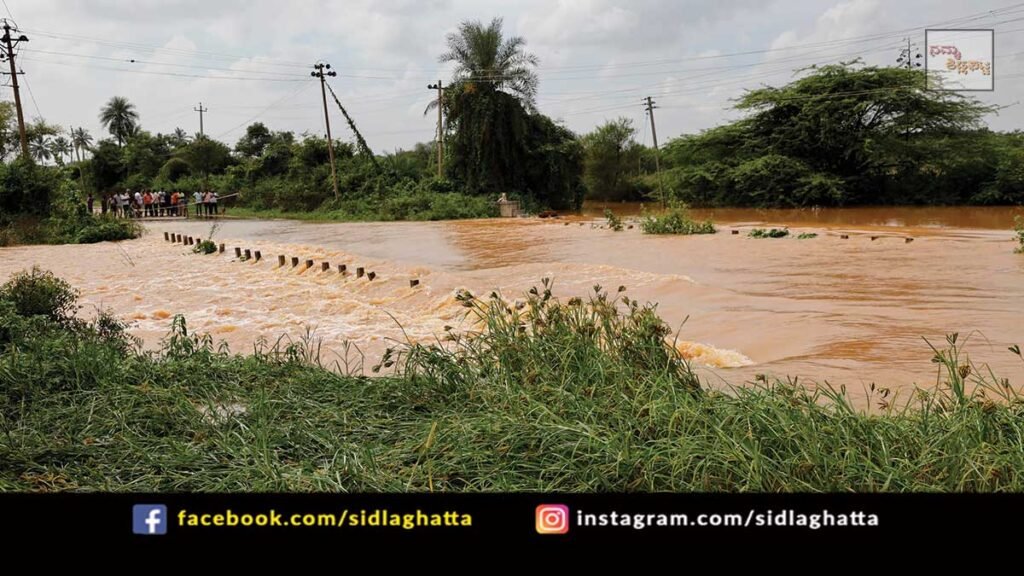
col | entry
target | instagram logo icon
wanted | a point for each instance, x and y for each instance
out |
(552, 519)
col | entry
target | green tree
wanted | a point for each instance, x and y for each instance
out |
(120, 118)
(206, 156)
(482, 55)
(39, 148)
(610, 158)
(106, 167)
(81, 140)
(180, 138)
(60, 147)
(256, 138)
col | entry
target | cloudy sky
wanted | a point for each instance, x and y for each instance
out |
(248, 60)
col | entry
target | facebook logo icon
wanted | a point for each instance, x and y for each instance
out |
(149, 519)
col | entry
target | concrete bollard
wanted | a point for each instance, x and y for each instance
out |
(220, 249)
(359, 272)
(191, 242)
(873, 238)
(238, 252)
(342, 268)
(248, 254)
(371, 275)
(909, 240)
(325, 266)
(414, 283)
(295, 261)
(845, 237)
(309, 264)
(735, 232)
(280, 261)
(167, 237)
(177, 237)
(257, 255)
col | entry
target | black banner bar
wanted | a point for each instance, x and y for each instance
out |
(160, 519)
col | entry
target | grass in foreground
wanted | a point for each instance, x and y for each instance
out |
(584, 395)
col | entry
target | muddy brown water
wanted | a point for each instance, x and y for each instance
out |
(851, 311)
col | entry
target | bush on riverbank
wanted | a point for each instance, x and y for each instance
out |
(578, 396)
(1019, 228)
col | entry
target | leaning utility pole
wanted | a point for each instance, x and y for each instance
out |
(9, 44)
(201, 110)
(318, 72)
(654, 134)
(440, 127)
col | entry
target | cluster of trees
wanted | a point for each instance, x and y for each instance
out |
(849, 134)
(840, 135)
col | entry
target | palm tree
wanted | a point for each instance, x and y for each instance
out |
(179, 138)
(120, 118)
(60, 147)
(81, 140)
(39, 148)
(483, 56)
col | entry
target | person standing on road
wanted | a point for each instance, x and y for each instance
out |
(198, 199)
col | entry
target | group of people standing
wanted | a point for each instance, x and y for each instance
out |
(149, 204)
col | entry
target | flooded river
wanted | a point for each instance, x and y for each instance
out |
(852, 311)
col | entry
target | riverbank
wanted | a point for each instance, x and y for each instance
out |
(578, 395)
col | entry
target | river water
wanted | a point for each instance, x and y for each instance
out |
(851, 311)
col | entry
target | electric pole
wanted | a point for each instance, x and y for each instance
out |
(319, 72)
(9, 44)
(440, 127)
(907, 57)
(649, 106)
(201, 110)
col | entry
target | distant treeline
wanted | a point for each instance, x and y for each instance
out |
(840, 135)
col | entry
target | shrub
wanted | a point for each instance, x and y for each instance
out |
(806, 236)
(40, 293)
(676, 220)
(205, 247)
(108, 230)
(614, 222)
(773, 233)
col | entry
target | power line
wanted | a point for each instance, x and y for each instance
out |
(281, 100)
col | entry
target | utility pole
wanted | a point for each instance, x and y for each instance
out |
(649, 106)
(440, 127)
(9, 44)
(319, 72)
(907, 57)
(201, 110)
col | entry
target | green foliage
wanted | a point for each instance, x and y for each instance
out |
(256, 139)
(773, 233)
(848, 134)
(614, 222)
(39, 293)
(174, 170)
(675, 220)
(610, 160)
(806, 236)
(26, 188)
(206, 156)
(71, 223)
(205, 247)
(577, 396)
(120, 118)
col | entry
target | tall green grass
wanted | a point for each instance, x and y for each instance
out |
(535, 394)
